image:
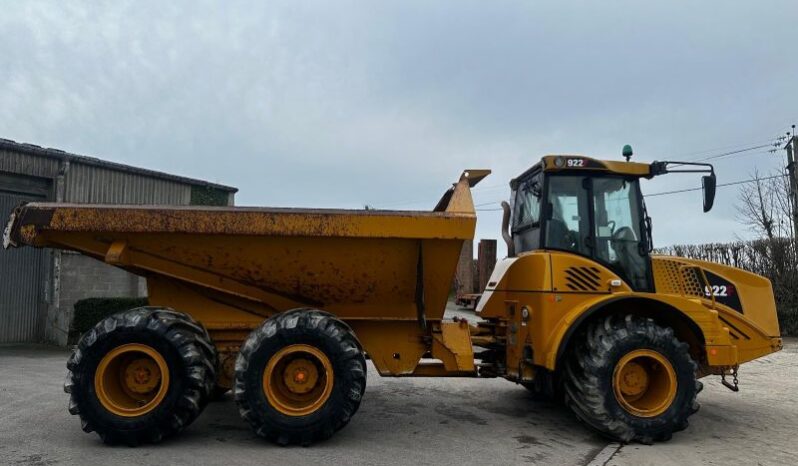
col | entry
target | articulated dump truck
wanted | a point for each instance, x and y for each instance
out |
(285, 306)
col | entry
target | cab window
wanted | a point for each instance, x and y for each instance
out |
(526, 213)
(618, 227)
(568, 223)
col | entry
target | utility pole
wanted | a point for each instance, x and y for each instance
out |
(792, 146)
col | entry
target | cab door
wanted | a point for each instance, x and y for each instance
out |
(600, 218)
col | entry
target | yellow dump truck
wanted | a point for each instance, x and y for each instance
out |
(284, 307)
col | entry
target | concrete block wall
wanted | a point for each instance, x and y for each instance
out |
(83, 277)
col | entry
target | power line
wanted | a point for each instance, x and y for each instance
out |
(733, 183)
(489, 187)
(745, 154)
(664, 193)
(482, 204)
(420, 201)
(708, 152)
(738, 151)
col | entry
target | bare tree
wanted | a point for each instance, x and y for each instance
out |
(764, 206)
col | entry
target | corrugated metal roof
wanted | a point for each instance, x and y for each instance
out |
(97, 185)
(56, 154)
(14, 161)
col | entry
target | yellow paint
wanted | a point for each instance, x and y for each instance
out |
(298, 380)
(536, 280)
(453, 347)
(131, 380)
(117, 253)
(644, 383)
(755, 292)
(613, 166)
(395, 347)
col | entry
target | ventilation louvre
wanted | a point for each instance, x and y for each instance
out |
(583, 279)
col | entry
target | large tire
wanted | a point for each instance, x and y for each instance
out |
(114, 350)
(318, 342)
(603, 388)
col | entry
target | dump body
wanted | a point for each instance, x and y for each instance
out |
(386, 273)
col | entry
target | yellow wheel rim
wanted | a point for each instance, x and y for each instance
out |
(131, 380)
(298, 380)
(644, 383)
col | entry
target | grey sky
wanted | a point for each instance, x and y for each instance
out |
(338, 104)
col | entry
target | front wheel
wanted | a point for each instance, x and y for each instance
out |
(631, 379)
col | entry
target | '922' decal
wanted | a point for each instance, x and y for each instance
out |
(723, 291)
(717, 291)
(575, 163)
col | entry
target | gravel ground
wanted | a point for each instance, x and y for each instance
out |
(445, 421)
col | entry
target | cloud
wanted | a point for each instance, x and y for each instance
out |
(338, 104)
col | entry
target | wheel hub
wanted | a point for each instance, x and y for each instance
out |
(300, 376)
(644, 383)
(298, 380)
(634, 379)
(131, 380)
(142, 375)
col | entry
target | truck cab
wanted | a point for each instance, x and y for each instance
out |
(588, 314)
(578, 205)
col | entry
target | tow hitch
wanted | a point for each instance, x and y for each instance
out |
(733, 385)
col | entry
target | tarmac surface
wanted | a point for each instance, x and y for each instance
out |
(443, 421)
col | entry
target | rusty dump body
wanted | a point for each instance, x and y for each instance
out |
(387, 274)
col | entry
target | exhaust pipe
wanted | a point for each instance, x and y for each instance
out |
(508, 240)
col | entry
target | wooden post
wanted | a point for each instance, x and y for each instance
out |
(464, 280)
(486, 261)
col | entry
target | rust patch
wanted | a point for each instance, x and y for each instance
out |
(249, 221)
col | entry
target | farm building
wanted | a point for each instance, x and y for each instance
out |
(38, 288)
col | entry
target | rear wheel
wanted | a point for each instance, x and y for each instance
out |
(141, 375)
(631, 379)
(300, 377)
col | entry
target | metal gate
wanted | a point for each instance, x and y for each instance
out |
(22, 276)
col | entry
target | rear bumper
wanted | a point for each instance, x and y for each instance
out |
(730, 355)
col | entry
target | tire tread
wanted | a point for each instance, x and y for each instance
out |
(190, 340)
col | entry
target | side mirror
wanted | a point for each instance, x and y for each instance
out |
(708, 184)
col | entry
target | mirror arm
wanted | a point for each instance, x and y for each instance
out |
(663, 167)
